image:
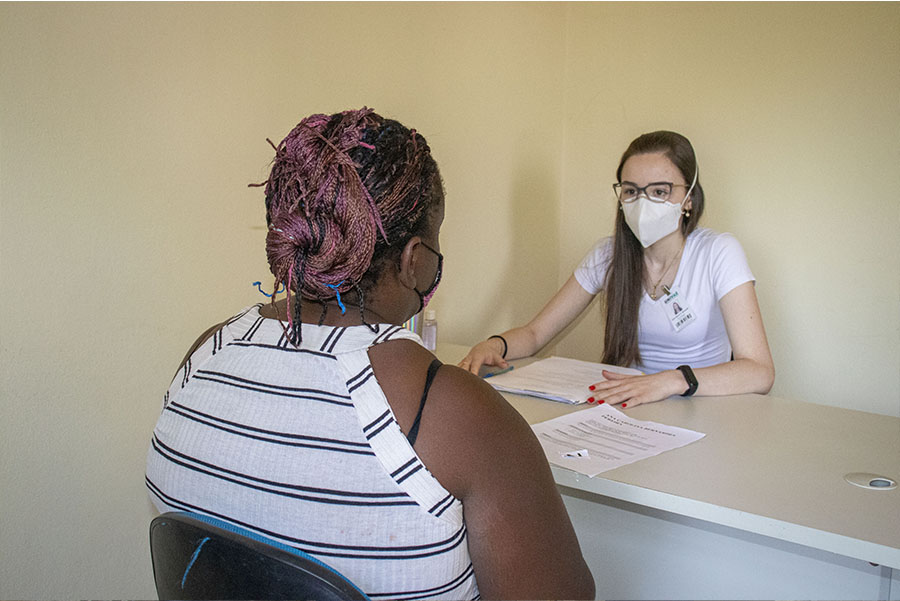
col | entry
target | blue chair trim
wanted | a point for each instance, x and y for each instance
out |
(191, 562)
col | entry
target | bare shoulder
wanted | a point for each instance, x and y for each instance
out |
(472, 435)
(471, 404)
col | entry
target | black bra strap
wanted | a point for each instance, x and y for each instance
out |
(414, 430)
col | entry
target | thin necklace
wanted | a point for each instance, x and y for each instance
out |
(671, 262)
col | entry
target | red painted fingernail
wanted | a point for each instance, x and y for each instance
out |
(624, 404)
(591, 400)
(592, 387)
(600, 402)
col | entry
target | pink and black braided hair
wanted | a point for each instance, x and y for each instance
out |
(345, 194)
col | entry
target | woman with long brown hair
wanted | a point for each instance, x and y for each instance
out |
(680, 302)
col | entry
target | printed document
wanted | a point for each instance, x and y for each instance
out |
(603, 438)
(556, 378)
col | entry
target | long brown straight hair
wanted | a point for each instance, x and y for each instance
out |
(626, 271)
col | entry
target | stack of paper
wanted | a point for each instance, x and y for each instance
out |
(556, 378)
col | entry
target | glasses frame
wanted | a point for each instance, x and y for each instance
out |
(438, 273)
(617, 190)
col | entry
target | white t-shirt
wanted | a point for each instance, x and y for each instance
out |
(712, 265)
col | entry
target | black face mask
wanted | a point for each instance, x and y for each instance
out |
(424, 297)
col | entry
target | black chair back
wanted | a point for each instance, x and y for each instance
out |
(198, 557)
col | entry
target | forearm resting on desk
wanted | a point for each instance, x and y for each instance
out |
(735, 377)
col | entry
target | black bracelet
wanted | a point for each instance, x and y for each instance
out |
(690, 378)
(505, 347)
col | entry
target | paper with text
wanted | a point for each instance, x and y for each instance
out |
(556, 378)
(603, 438)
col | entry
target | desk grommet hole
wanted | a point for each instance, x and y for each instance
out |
(871, 481)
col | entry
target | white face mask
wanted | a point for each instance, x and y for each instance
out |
(652, 221)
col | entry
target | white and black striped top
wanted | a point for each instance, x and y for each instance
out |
(301, 445)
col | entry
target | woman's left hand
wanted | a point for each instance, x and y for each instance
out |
(635, 390)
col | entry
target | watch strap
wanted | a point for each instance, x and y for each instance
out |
(690, 378)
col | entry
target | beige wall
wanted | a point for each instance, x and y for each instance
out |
(128, 134)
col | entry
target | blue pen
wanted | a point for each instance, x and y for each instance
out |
(497, 373)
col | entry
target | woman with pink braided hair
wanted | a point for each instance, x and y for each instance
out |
(318, 421)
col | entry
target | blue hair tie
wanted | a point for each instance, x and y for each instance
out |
(338, 293)
(259, 285)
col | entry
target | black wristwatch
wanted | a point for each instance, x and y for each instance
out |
(690, 378)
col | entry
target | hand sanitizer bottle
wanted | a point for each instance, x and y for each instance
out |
(429, 330)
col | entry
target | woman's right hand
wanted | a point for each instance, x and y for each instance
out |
(488, 352)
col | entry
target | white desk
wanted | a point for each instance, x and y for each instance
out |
(758, 508)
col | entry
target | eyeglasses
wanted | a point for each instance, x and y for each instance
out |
(656, 192)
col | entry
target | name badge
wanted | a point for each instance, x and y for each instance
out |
(677, 310)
